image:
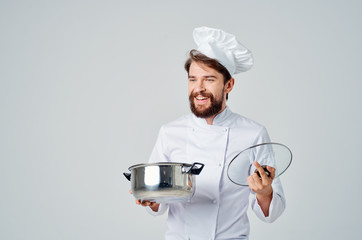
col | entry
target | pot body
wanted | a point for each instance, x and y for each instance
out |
(164, 182)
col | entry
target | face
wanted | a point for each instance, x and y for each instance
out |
(207, 92)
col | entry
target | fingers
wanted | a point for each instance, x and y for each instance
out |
(250, 183)
(261, 183)
(265, 178)
(144, 203)
(260, 170)
(272, 171)
(153, 204)
(148, 203)
(254, 182)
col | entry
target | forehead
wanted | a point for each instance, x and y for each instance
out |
(200, 69)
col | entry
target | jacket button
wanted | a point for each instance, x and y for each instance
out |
(214, 201)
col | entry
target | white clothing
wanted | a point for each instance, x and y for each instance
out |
(224, 47)
(218, 209)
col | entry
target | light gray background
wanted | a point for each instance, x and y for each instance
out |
(85, 86)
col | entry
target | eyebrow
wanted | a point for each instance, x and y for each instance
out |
(208, 76)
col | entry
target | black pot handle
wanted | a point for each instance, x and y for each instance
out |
(128, 176)
(196, 168)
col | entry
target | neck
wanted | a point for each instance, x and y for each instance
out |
(210, 120)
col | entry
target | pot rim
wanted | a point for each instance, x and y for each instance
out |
(159, 164)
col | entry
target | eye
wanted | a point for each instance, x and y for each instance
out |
(210, 79)
(191, 79)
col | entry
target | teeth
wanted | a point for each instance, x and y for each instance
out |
(201, 98)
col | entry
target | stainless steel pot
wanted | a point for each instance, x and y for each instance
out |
(164, 181)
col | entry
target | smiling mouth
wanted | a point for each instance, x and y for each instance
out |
(201, 99)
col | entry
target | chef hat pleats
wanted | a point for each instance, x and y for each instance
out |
(224, 47)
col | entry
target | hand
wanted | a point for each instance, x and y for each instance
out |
(262, 186)
(153, 205)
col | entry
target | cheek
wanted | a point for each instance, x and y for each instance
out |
(189, 87)
(190, 90)
(218, 92)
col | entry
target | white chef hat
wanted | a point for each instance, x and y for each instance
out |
(224, 47)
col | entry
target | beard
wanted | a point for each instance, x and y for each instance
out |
(203, 111)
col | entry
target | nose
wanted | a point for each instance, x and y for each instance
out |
(199, 86)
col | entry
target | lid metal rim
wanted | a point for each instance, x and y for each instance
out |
(159, 164)
(257, 145)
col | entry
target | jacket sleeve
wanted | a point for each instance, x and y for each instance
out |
(161, 210)
(159, 155)
(277, 205)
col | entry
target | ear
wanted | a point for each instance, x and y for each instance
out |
(229, 85)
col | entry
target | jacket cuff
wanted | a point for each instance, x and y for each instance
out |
(276, 208)
(161, 210)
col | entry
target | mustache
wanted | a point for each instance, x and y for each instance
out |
(201, 93)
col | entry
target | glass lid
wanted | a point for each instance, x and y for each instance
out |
(275, 155)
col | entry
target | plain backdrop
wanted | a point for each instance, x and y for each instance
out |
(86, 85)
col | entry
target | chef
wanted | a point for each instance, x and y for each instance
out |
(212, 134)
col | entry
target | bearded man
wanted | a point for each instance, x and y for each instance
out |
(212, 134)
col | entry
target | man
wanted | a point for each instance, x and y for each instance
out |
(213, 135)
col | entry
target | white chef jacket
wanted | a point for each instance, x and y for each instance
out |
(218, 209)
